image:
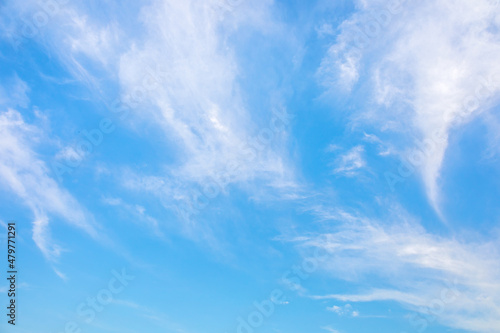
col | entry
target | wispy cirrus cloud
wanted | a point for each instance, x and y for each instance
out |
(14, 92)
(399, 261)
(329, 329)
(350, 163)
(179, 73)
(424, 75)
(26, 175)
(199, 104)
(137, 212)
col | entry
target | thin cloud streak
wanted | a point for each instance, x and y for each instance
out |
(419, 267)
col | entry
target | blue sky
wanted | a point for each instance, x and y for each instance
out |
(244, 166)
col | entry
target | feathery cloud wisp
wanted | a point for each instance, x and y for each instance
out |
(426, 75)
(26, 175)
(421, 268)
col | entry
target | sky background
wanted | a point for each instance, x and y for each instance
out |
(338, 160)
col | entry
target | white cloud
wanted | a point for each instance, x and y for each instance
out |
(89, 38)
(339, 69)
(329, 329)
(349, 163)
(456, 280)
(325, 29)
(68, 153)
(197, 102)
(137, 213)
(345, 310)
(14, 92)
(43, 239)
(431, 66)
(24, 173)
(179, 73)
